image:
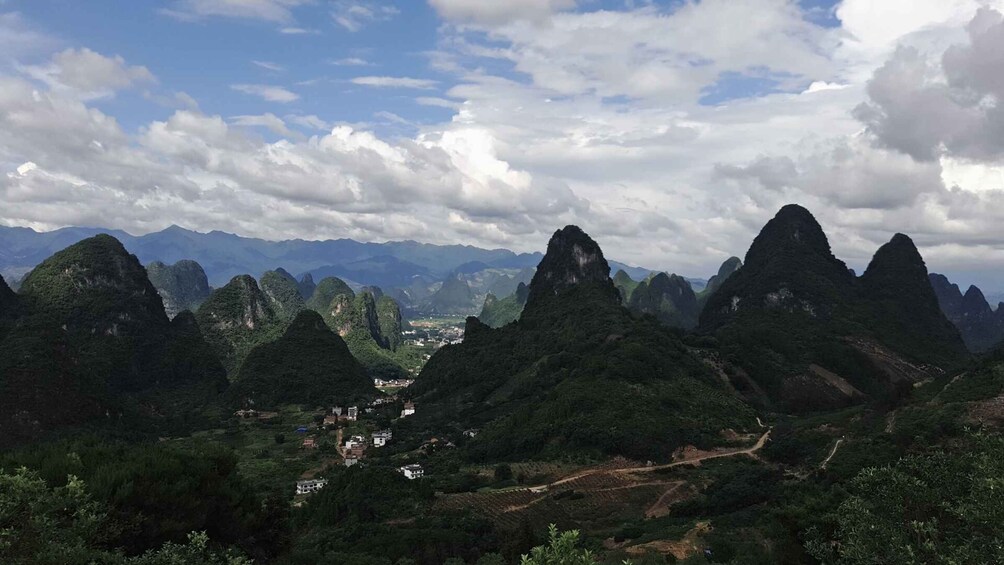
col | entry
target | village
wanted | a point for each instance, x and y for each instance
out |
(434, 331)
(354, 435)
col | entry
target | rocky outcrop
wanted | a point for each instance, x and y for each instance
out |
(182, 286)
(981, 326)
(283, 293)
(572, 258)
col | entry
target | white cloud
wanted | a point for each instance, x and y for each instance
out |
(310, 121)
(927, 109)
(298, 31)
(89, 74)
(651, 54)
(267, 92)
(577, 117)
(496, 12)
(277, 11)
(353, 15)
(269, 66)
(268, 120)
(18, 37)
(351, 62)
(395, 82)
(440, 102)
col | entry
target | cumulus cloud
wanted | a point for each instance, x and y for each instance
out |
(214, 175)
(395, 82)
(652, 54)
(267, 92)
(592, 117)
(89, 74)
(928, 109)
(849, 174)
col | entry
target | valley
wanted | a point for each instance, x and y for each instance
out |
(743, 422)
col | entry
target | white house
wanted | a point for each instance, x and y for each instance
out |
(354, 441)
(412, 472)
(352, 413)
(381, 438)
(309, 486)
(409, 409)
(337, 410)
(350, 461)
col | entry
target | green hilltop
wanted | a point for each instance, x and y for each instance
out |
(182, 286)
(236, 318)
(91, 344)
(806, 334)
(497, 312)
(309, 364)
(576, 373)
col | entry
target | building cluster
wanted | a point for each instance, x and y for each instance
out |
(310, 485)
(392, 383)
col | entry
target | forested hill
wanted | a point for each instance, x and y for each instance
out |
(811, 335)
(576, 373)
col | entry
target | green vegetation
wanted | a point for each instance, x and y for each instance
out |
(498, 312)
(326, 291)
(182, 286)
(362, 322)
(40, 525)
(625, 285)
(122, 451)
(793, 306)
(577, 374)
(235, 319)
(283, 292)
(453, 297)
(91, 344)
(391, 325)
(943, 507)
(667, 297)
(82, 497)
(308, 364)
(560, 549)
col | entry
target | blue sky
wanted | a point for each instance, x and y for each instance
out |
(204, 56)
(670, 131)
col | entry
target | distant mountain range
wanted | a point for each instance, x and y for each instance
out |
(981, 326)
(224, 255)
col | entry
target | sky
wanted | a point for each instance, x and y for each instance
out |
(670, 131)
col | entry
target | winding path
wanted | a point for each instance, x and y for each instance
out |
(692, 461)
(832, 453)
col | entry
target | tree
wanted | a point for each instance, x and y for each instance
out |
(39, 525)
(64, 525)
(560, 549)
(945, 507)
(503, 472)
(491, 559)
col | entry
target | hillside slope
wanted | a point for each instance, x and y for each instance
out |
(576, 373)
(812, 336)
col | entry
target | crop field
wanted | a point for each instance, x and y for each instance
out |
(591, 499)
